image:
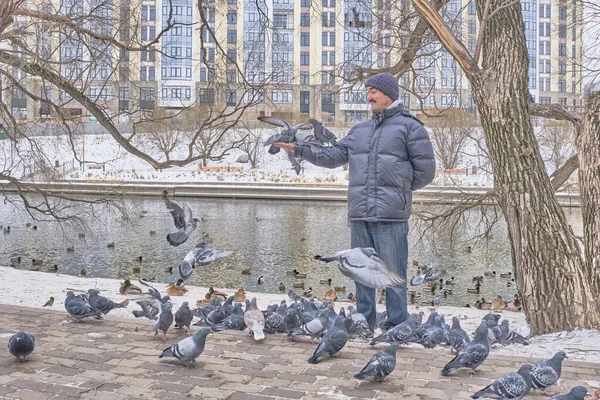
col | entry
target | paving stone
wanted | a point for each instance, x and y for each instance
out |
(285, 393)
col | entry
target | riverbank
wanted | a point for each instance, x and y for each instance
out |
(33, 289)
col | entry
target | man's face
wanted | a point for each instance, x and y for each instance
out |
(377, 99)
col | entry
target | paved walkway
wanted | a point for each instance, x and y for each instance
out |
(116, 359)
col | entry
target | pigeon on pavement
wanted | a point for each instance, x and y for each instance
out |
(433, 335)
(275, 323)
(577, 393)
(20, 345)
(547, 372)
(188, 349)
(473, 354)
(101, 303)
(381, 364)
(458, 338)
(234, 322)
(313, 328)
(362, 265)
(156, 308)
(333, 341)
(183, 317)
(200, 255)
(514, 385)
(399, 333)
(79, 308)
(184, 222)
(255, 320)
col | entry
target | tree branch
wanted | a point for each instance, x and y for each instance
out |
(554, 111)
(482, 24)
(561, 175)
(446, 37)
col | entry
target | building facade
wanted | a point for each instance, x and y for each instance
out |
(292, 58)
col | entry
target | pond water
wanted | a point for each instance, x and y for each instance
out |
(269, 237)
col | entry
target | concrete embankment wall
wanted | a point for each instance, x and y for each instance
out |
(304, 191)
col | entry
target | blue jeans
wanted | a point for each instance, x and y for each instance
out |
(390, 241)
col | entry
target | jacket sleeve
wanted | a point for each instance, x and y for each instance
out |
(326, 157)
(422, 158)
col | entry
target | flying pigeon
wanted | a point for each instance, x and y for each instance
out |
(101, 303)
(363, 265)
(200, 255)
(381, 364)
(514, 385)
(430, 275)
(156, 308)
(577, 393)
(547, 372)
(321, 133)
(255, 320)
(183, 317)
(333, 341)
(473, 354)
(184, 222)
(21, 344)
(188, 349)
(79, 308)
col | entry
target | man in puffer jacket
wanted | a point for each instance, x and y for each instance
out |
(389, 156)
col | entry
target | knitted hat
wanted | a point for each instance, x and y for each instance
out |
(386, 83)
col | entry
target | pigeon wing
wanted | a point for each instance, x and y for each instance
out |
(543, 375)
(178, 214)
(274, 121)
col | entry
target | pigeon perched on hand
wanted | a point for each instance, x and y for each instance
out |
(577, 393)
(514, 385)
(188, 349)
(287, 135)
(363, 266)
(333, 341)
(473, 354)
(184, 222)
(20, 345)
(381, 364)
(255, 320)
(101, 303)
(79, 308)
(547, 372)
(200, 255)
(321, 133)
(430, 275)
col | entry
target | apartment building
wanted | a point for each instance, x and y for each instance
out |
(292, 58)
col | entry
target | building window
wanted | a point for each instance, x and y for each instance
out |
(231, 76)
(472, 45)
(324, 38)
(304, 58)
(328, 102)
(562, 49)
(280, 21)
(472, 27)
(562, 31)
(232, 36)
(304, 78)
(544, 100)
(232, 55)
(231, 98)
(254, 96)
(206, 96)
(282, 96)
(562, 67)
(305, 3)
(562, 13)
(562, 85)
(472, 9)
(232, 17)
(304, 39)
(305, 19)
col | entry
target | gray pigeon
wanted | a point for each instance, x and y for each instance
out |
(333, 341)
(156, 308)
(381, 364)
(183, 317)
(275, 323)
(287, 135)
(547, 372)
(577, 393)
(473, 354)
(313, 328)
(234, 322)
(101, 303)
(514, 385)
(491, 320)
(457, 337)
(362, 265)
(357, 325)
(79, 308)
(433, 335)
(430, 275)
(400, 333)
(184, 222)
(200, 255)
(321, 133)
(188, 349)
(21, 344)
(218, 314)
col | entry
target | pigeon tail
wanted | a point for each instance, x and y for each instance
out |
(451, 366)
(316, 358)
(257, 330)
(177, 238)
(167, 353)
(360, 376)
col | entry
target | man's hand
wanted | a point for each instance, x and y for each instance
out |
(285, 146)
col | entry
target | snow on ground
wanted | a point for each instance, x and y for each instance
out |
(33, 289)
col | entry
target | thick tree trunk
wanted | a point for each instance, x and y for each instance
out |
(547, 261)
(588, 148)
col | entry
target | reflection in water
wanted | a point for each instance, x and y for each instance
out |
(270, 237)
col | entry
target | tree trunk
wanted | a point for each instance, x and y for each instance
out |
(588, 145)
(548, 266)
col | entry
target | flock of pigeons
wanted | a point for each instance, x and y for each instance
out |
(314, 319)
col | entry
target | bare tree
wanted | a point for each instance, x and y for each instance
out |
(557, 143)
(250, 142)
(449, 133)
(552, 276)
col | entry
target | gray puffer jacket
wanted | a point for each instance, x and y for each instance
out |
(389, 156)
